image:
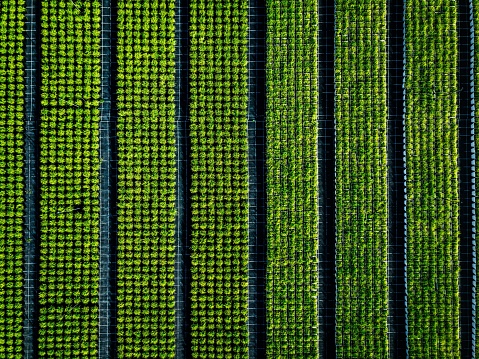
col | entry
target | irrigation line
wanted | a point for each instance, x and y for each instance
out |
(473, 172)
(335, 190)
(108, 182)
(183, 180)
(31, 173)
(257, 179)
(404, 73)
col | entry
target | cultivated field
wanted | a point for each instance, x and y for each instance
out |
(238, 179)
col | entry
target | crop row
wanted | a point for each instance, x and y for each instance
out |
(475, 23)
(432, 179)
(219, 183)
(11, 178)
(361, 179)
(292, 182)
(69, 179)
(146, 179)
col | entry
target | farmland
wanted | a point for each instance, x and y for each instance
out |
(238, 179)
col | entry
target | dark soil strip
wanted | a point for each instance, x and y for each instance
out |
(183, 215)
(31, 172)
(326, 160)
(257, 178)
(396, 166)
(467, 194)
(108, 183)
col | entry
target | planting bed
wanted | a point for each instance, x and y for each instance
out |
(361, 180)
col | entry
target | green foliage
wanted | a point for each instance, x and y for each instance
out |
(292, 179)
(11, 179)
(475, 8)
(361, 179)
(69, 178)
(432, 179)
(219, 185)
(147, 178)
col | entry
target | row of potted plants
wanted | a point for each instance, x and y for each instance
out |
(11, 179)
(146, 179)
(432, 204)
(361, 115)
(69, 178)
(292, 178)
(219, 182)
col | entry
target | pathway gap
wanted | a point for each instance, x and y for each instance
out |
(32, 116)
(326, 160)
(108, 184)
(396, 182)
(467, 186)
(183, 210)
(257, 178)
